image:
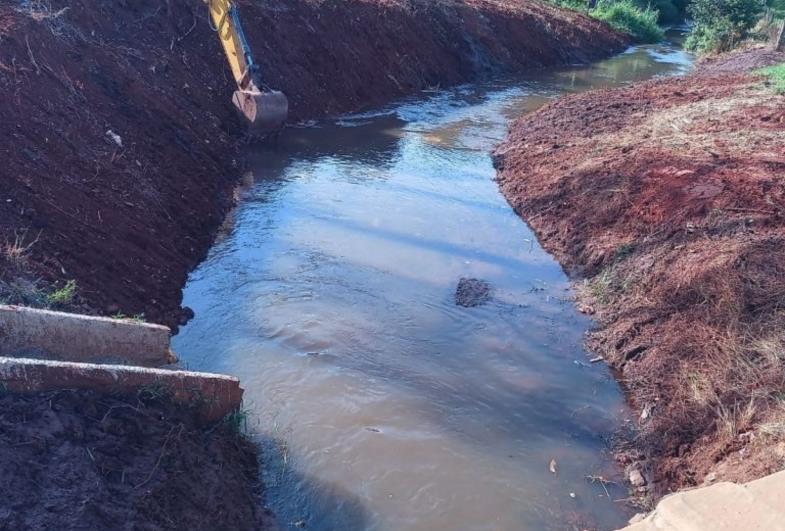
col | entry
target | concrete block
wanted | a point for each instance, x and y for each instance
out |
(32, 333)
(213, 395)
(756, 506)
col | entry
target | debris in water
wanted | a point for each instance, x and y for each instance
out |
(597, 359)
(572, 495)
(472, 292)
(581, 364)
(552, 466)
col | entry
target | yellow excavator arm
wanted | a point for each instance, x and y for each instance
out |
(265, 109)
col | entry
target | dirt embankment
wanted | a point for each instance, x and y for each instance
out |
(80, 460)
(119, 151)
(668, 198)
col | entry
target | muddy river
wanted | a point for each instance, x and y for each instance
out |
(381, 403)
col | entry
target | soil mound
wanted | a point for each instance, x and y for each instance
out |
(119, 153)
(80, 460)
(668, 198)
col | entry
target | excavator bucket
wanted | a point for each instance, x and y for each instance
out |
(265, 111)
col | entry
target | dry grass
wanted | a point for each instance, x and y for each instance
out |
(15, 252)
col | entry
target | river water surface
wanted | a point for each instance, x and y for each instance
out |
(379, 402)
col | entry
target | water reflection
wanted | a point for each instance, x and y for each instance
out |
(382, 404)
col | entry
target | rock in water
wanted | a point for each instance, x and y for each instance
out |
(472, 292)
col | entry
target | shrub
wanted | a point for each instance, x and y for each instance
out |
(719, 25)
(626, 16)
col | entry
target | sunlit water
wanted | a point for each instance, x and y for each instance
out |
(381, 404)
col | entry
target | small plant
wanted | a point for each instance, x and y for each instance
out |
(139, 317)
(152, 393)
(62, 296)
(15, 252)
(237, 421)
(623, 251)
(776, 75)
(601, 286)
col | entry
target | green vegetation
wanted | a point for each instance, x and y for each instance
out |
(61, 297)
(719, 25)
(628, 16)
(237, 421)
(776, 75)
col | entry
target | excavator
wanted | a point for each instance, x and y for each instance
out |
(263, 108)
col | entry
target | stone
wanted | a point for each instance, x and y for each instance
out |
(636, 478)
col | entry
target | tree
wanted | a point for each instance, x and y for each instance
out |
(721, 24)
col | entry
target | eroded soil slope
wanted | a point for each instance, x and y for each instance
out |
(118, 137)
(79, 460)
(668, 198)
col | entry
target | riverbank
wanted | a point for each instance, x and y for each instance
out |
(122, 151)
(84, 460)
(664, 201)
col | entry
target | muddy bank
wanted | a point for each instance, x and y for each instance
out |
(80, 460)
(119, 151)
(667, 199)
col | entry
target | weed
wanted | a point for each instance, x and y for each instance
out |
(734, 420)
(62, 296)
(623, 251)
(237, 421)
(776, 76)
(139, 317)
(601, 286)
(153, 392)
(15, 253)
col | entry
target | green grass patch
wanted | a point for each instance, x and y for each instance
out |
(776, 75)
(626, 16)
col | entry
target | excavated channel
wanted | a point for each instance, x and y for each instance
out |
(411, 356)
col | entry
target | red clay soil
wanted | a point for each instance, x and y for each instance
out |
(128, 219)
(79, 460)
(667, 197)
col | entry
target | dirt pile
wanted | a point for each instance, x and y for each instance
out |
(78, 460)
(118, 147)
(668, 198)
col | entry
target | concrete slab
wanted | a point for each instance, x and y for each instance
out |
(212, 395)
(755, 506)
(32, 333)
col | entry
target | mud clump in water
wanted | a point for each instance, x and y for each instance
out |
(472, 292)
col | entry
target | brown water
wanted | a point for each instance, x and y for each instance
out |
(379, 402)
